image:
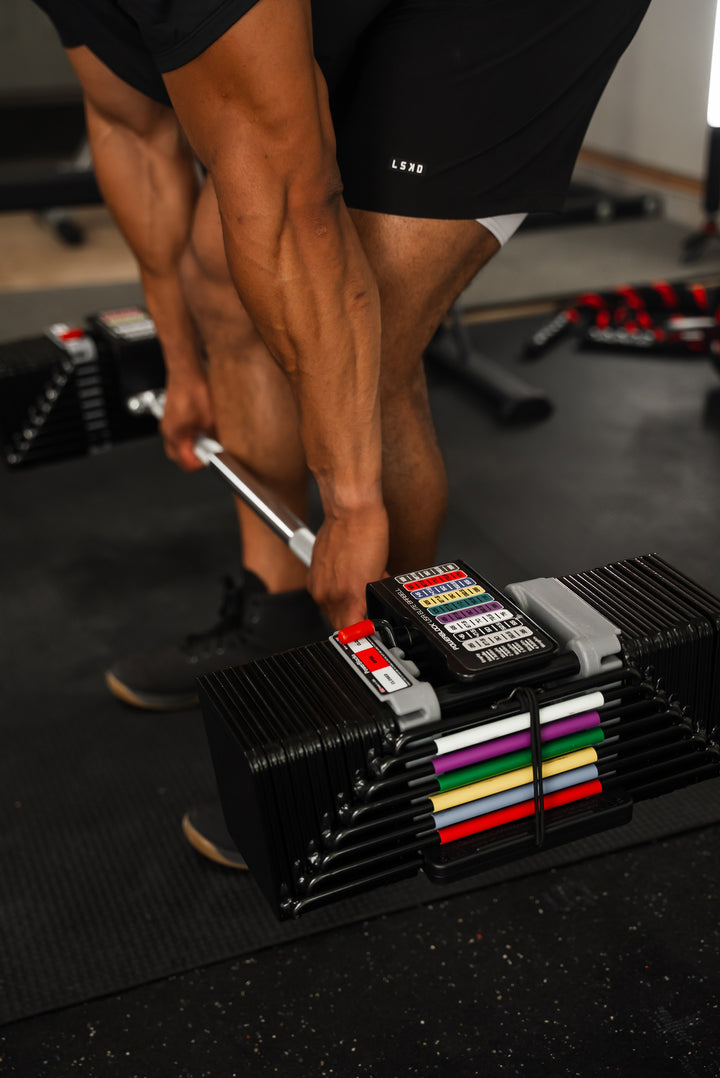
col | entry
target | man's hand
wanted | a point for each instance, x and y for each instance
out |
(188, 413)
(351, 550)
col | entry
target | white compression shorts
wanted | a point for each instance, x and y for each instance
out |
(503, 227)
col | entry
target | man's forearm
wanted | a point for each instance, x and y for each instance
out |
(148, 182)
(146, 172)
(255, 108)
(301, 271)
(306, 281)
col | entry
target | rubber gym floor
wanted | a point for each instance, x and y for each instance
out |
(605, 964)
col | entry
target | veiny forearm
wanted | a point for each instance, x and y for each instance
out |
(298, 264)
(255, 108)
(149, 184)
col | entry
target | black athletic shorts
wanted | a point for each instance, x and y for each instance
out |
(442, 108)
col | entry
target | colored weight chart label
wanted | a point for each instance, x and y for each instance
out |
(425, 574)
(474, 622)
(513, 650)
(469, 612)
(495, 617)
(476, 632)
(418, 585)
(439, 574)
(463, 614)
(505, 636)
(443, 589)
(461, 604)
(481, 623)
(459, 597)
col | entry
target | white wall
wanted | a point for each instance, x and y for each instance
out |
(654, 109)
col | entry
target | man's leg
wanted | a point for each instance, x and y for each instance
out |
(421, 266)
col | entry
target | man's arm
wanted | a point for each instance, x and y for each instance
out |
(146, 172)
(254, 106)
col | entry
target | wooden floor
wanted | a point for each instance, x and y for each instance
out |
(34, 258)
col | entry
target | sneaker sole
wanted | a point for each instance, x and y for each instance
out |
(207, 849)
(148, 701)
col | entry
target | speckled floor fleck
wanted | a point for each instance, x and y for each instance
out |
(607, 967)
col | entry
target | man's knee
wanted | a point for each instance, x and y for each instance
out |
(225, 328)
(195, 282)
(194, 276)
(203, 264)
(206, 283)
(403, 387)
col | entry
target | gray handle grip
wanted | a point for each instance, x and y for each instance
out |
(270, 510)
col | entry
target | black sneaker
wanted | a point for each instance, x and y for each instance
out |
(253, 623)
(205, 830)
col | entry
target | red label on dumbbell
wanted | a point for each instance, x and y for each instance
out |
(370, 661)
(371, 658)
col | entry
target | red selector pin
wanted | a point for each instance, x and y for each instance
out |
(356, 631)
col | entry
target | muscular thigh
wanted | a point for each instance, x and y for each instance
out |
(421, 266)
(222, 321)
(206, 239)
